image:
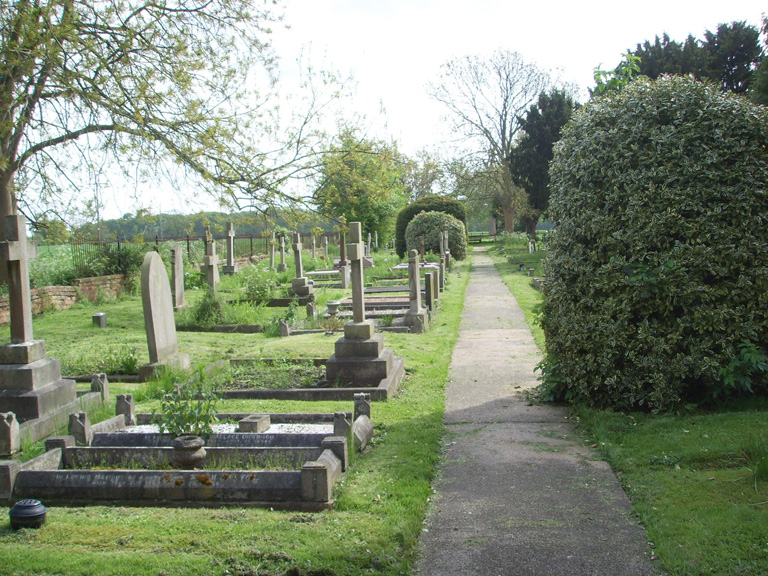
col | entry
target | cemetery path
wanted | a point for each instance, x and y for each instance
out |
(518, 494)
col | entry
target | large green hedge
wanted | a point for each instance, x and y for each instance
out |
(657, 273)
(426, 204)
(429, 225)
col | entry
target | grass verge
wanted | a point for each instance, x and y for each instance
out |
(380, 504)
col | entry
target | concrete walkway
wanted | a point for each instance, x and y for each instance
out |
(518, 494)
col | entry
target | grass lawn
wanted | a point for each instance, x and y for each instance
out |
(380, 504)
(689, 475)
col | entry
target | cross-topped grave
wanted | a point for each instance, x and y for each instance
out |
(300, 285)
(360, 358)
(230, 267)
(158, 319)
(211, 261)
(282, 267)
(30, 383)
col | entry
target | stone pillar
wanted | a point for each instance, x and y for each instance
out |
(314, 248)
(421, 247)
(428, 291)
(368, 246)
(282, 267)
(177, 277)
(441, 242)
(272, 251)
(416, 317)
(442, 272)
(376, 239)
(230, 267)
(343, 249)
(325, 246)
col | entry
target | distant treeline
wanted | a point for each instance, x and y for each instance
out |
(146, 227)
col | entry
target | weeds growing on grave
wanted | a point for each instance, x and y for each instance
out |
(188, 409)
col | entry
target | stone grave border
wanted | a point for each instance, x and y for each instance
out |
(385, 390)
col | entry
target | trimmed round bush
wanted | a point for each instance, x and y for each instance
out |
(425, 204)
(429, 225)
(657, 273)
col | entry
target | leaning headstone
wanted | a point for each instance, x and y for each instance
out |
(416, 317)
(177, 277)
(30, 383)
(158, 319)
(10, 439)
(300, 285)
(285, 330)
(100, 384)
(282, 267)
(230, 267)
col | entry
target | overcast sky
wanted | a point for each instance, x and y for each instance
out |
(394, 48)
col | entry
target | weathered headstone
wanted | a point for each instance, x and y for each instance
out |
(416, 317)
(442, 272)
(124, 405)
(421, 247)
(158, 319)
(210, 265)
(177, 277)
(360, 358)
(376, 239)
(311, 310)
(100, 384)
(428, 291)
(231, 266)
(282, 266)
(300, 285)
(80, 428)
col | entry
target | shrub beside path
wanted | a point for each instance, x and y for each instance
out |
(518, 493)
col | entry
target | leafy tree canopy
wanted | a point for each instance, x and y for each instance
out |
(362, 180)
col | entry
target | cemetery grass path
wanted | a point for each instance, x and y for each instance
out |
(518, 494)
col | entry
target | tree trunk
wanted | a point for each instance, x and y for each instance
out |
(509, 219)
(530, 221)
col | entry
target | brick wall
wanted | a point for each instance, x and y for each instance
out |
(62, 297)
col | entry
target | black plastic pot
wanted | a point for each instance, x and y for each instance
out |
(27, 514)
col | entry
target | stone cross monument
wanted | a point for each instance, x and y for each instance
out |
(300, 285)
(360, 358)
(211, 261)
(282, 267)
(32, 391)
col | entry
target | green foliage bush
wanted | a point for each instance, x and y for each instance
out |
(658, 267)
(430, 225)
(189, 409)
(426, 204)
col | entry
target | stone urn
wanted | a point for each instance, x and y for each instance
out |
(188, 452)
(333, 307)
